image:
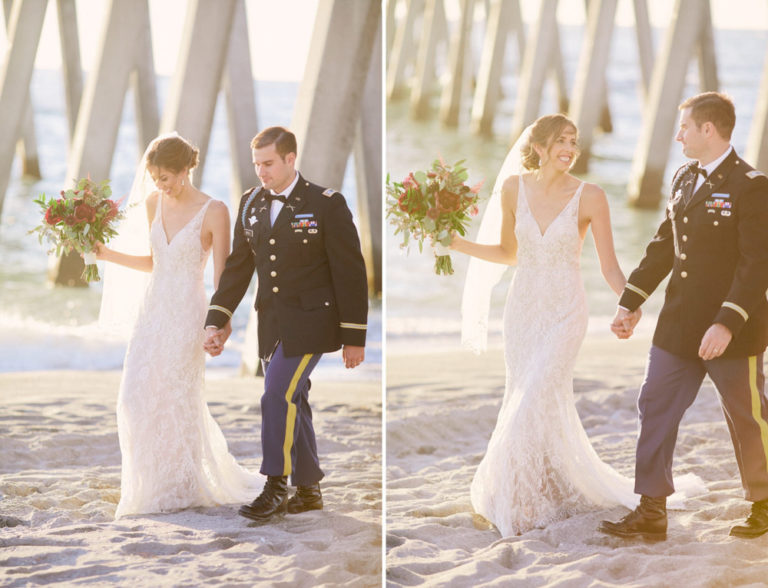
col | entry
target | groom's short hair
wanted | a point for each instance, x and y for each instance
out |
(283, 140)
(713, 107)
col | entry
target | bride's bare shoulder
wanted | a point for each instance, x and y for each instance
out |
(509, 191)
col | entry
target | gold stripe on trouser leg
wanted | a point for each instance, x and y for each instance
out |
(755, 393)
(290, 415)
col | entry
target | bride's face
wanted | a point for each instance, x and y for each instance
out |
(562, 151)
(168, 182)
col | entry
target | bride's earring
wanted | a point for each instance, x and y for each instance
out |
(182, 183)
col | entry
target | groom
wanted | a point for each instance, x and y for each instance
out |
(312, 298)
(714, 240)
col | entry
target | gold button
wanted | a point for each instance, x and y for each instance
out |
(275, 289)
(685, 237)
(716, 222)
(685, 219)
(683, 256)
(306, 240)
(327, 303)
(273, 273)
(683, 274)
(271, 241)
(273, 257)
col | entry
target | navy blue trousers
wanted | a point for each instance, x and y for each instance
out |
(287, 435)
(670, 387)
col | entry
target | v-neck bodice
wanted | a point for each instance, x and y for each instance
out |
(559, 244)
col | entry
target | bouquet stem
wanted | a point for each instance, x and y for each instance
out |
(91, 271)
(443, 265)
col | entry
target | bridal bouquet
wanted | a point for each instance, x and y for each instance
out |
(78, 219)
(432, 205)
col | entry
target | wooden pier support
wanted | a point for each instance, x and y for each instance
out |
(661, 114)
(368, 172)
(757, 145)
(537, 60)
(71, 66)
(586, 106)
(329, 102)
(402, 49)
(421, 93)
(504, 17)
(460, 47)
(242, 118)
(195, 85)
(25, 25)
(26, 148)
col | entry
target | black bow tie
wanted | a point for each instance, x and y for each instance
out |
(700, 170)
(279, 197)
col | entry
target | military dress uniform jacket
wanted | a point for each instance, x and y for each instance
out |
(715, 243)
(312, 290)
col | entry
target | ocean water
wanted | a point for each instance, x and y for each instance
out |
(423, 309)
(47, 327)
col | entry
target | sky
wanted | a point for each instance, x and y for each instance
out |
(281, 30)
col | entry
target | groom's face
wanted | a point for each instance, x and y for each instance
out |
(274, 171)
(691, 136)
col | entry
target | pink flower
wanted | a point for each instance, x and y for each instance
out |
(410, 182)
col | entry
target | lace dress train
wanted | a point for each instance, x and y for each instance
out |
(174, 455)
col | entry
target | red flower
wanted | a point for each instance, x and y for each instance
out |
(408, 204)
(70, 220)
(447, 201)
(51, 217)
(86, 213)
(433, 213)
(113, 209)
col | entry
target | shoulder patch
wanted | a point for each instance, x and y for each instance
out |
(754, 173)
(329, 192)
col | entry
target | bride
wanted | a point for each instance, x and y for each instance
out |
(174, 455)
(540, 466)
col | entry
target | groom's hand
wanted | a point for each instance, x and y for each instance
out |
(215, 339)
(353, 355)
(623, 324)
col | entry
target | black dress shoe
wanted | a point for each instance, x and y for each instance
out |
(756, 523)
(648, 520)
(306, 498)
(271, 501)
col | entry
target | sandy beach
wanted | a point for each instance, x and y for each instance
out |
(441, 409)
(60, 484)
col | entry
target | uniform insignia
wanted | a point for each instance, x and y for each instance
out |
(312, 231)
(253, 220)
(309, 215)
(678, 195)
(248, 233)
(725, 213)
(262, 209)
(329, 192)
(754, 173)
(303, 224)
(720, 195)
(718, 204)
(712, 210)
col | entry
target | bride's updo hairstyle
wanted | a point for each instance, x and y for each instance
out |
(173, 153)
(543, 133)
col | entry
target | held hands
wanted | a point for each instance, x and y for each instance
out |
(624, 322)
(353, 355)
(714, 341)
(215, 339)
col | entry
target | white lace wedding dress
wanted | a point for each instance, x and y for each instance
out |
(540, 466)
(174, 455)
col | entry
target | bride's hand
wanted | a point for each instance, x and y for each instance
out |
(441, 249)
(100, 250)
